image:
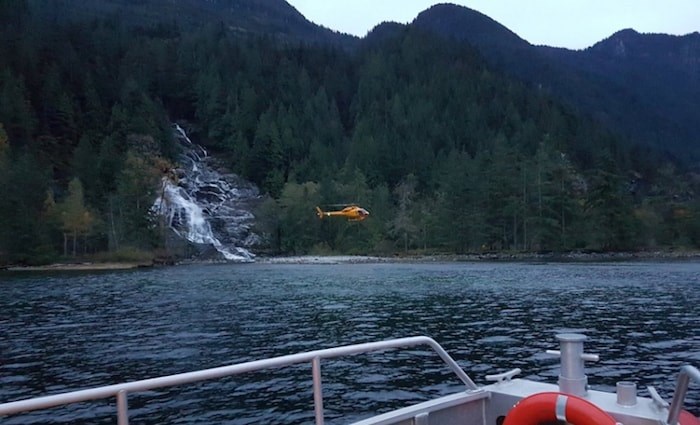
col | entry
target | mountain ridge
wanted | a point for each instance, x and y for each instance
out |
(644, 86)
(448, 19)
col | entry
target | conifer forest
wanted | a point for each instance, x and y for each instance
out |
(450, 155)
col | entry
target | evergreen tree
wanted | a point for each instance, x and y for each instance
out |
(611, 222)
(136, 191)
(402, 226)
(296, 206)
(4, 143)
(16, 111)
(23, 232)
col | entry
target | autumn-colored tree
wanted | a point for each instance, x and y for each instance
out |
(76, 219)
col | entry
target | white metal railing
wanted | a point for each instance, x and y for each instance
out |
(121, 391)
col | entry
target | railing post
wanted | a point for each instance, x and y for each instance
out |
(122, 408)
(687, 373)
(318, 390)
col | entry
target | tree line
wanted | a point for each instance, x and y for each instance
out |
(448, 155)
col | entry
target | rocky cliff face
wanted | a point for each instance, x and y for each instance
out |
(681, 53)
(209, 206)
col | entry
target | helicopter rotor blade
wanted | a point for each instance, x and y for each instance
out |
(341, 205)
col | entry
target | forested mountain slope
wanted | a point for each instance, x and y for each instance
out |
(448, 153)
(644, 86)
(272, 18)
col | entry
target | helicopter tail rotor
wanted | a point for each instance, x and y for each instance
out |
(319, 212)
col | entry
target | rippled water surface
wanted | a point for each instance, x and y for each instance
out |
(71, 331)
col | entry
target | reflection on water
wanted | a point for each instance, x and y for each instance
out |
(72, 331)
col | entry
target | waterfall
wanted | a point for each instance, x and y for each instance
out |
(208, 206)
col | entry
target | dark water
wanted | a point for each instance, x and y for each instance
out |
(71, 331)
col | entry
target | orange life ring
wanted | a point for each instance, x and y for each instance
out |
(687, 418)
(550, 407)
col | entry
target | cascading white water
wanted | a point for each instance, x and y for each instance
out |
(207, 207)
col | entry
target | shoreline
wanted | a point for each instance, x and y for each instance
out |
(87, 266)
(570, 257)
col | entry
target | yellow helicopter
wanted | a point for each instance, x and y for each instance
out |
(352, 212)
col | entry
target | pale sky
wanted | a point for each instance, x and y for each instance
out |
(575, 24)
